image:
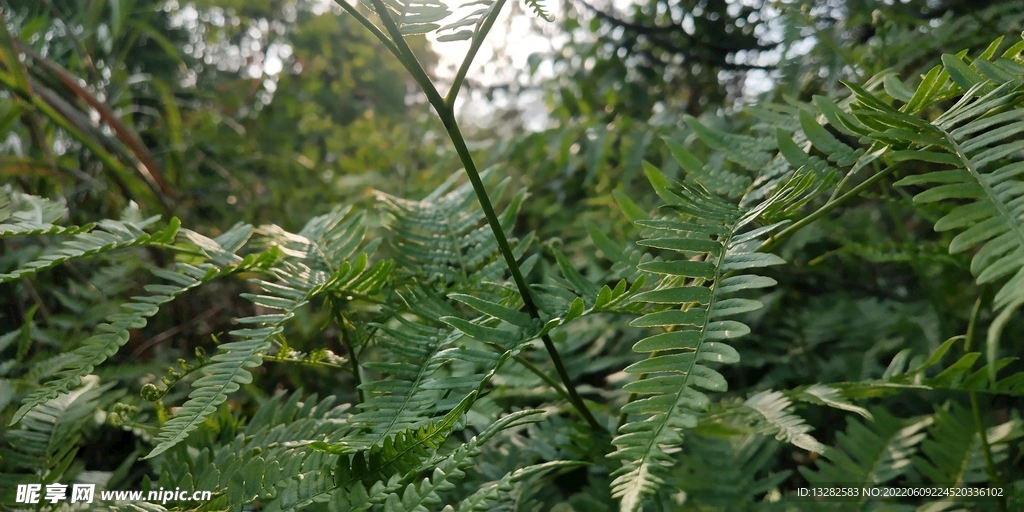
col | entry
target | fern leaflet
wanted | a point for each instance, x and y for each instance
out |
(695, 290)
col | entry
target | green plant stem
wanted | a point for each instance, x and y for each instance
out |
(986, 448)
(448, 117)
(829, 206)
(364, 21)
(478, 40)
(536, 370)
(353, 358)
(446, 113)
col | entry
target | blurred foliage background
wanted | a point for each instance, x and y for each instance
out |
(273, 111)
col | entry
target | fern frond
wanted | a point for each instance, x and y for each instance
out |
(417, 496)
(114, 334)
(827, 395)
(574, 296)
(538, 9)
(731, 473)
(110, 236)
(314, 268)
(780, 160)
(395, 456)
(325, 242)
(445, 236)
(952, 454)
(49, 437)
(459, 30)
(775, 418)
(270, 459)
(871, 453)
(405, 400)
(486, 497)
(24, 214)
(229, 369)
(963, 375)
(694, 288)
(19, 207)
(716, 179)
(445, 469)
(978, 140)
(414, 16)
(752, 153)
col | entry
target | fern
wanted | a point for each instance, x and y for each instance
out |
(773, 416)
(871, 454)
(412, 395)
(48, 440)
(977, 140)
(415, 16)
(445, 472)
(99, 347)
(324, 243)
(730, 473)
(538, 9)
(458, 30)
(399, 459)
(676, 370)
(230, 368)
(270, 458)
(401, 402)
(952, 454)
(24, 214)
(486, 497)
(111, 236)
(963, 375)
(446, 239)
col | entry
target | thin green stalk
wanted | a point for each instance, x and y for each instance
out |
(979, 425)
(829, 206)
(446, 113)
(536, 370)
(364, 21)
(448, 118)
(353, 358)
(478, 40)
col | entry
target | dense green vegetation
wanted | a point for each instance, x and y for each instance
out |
(755, 247)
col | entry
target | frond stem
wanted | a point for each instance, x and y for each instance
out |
(448, 118)
(478, 41)
(353, 357)
(374, 29)
(446, 113)
(543, 375)
(979, 425)
(829, 206)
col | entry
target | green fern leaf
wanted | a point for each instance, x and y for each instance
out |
(417, 496)
(397, 455)
(230, 368)
(730, 473)
(538, 9)
(111, 236)
(775, 418)
(980, 136)
(952, 454)
(49, 437)
(459, 30)
(445, 236)
(485, 497)
(114, 334)
(677, 369)
(871, 453)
